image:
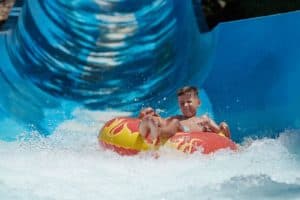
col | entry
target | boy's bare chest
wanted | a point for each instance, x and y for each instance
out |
(192, 124)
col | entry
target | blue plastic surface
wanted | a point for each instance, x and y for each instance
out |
(254, 82)
(85, 56)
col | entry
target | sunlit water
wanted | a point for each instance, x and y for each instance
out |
(58, 48)
(69, 164)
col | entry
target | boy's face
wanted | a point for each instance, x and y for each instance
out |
(188, 103)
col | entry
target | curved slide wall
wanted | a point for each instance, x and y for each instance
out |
(247, 69)
(100, 55)
(254, 82)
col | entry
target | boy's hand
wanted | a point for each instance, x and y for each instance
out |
(204, 120)
(147, 112)
(209, 124)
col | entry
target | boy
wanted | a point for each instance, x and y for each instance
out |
(153, 126)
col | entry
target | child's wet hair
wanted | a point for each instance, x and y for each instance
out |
(186, 89)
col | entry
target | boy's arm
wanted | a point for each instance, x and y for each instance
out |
(210, 124)
(222, 129)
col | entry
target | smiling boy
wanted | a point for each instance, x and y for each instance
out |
(153, 126)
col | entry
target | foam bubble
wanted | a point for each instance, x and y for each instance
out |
(69, 164)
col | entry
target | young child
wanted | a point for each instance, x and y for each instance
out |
(153, 126)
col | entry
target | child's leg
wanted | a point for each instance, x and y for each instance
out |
(149, 127)
(155, 127)
(170, 127)
(144, 128)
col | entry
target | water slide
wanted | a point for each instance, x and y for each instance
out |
(117, 55)
(253, 82)
(66, 67)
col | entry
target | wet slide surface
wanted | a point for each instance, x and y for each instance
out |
(111, 59)
(63, 73)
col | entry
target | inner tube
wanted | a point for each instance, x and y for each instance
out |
(121, 135)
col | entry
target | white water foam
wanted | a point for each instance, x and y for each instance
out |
(69, 164)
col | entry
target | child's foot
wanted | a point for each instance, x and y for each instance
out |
(154, 129)
(148, 128)
(144, 129)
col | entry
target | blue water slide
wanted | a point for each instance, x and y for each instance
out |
(254, 81)
(120, 55)
(124, 55)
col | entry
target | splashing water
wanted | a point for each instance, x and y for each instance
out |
(83, 52)
(69, 164)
